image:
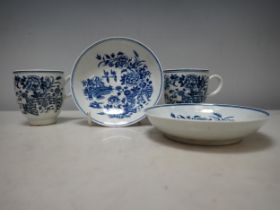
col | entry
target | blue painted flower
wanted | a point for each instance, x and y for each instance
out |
(46, 83)
(174, 77)
(127, 93)
(143, 84)
(57, 90)
(33, 83)
(121, 61)
(113, 99)
(24, 95)
(131, 78)
(135, 87)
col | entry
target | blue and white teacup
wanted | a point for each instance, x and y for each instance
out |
(40, 94)
(188, 85)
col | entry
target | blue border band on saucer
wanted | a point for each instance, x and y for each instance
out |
(185, 70)
(205, 104)
(97, 43)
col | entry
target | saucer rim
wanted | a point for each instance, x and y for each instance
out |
(37, 70)
(186, 70)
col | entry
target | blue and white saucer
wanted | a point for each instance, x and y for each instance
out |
(114, 80)
(206, 124)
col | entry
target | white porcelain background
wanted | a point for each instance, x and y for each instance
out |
(86, 66)
(246, 122)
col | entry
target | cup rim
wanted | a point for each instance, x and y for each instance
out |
(186, 70)
(37, 71)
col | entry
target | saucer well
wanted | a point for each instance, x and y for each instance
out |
(115, 79)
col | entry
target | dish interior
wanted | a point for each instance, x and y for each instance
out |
(206, 113)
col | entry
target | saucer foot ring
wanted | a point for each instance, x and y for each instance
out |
(203, 142)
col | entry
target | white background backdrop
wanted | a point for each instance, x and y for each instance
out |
(240, 40)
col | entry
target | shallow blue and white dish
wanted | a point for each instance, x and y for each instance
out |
(114, 80)
(206, 124)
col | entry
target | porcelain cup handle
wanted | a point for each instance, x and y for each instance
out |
(220, 85)
(67, 80)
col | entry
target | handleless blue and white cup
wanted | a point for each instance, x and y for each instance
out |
(188, 85)
(40, 94)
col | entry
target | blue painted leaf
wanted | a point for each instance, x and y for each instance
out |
(100, 63)
(98, 57)
(217, 114)
(135, 53)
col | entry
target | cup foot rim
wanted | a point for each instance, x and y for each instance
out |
(46, 121)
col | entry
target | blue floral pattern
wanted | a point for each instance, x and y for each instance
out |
(123, 88)
(213, 117)
(38, 94)
(185, 88)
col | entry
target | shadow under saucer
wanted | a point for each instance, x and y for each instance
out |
(84, 122)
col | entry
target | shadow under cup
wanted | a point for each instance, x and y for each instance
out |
(40, 94)
(188, 85)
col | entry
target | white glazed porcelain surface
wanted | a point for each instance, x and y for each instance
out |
(102, 73)
(40, 94)
(189, 85)
(206, 124)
